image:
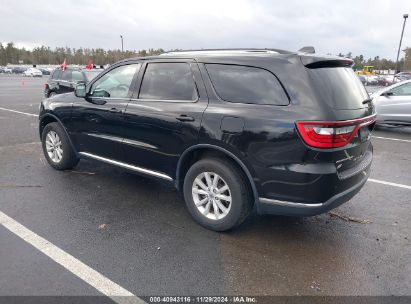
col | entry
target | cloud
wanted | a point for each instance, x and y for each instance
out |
(368, 27)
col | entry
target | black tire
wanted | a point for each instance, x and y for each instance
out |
(241, 194)
(69, 159)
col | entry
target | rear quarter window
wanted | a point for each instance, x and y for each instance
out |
(244, 84)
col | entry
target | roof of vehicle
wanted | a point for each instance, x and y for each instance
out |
(309, 59)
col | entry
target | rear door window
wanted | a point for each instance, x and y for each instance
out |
(244, 84)
(168, 81)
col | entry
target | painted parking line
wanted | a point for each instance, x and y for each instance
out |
(18, 112)
(104, 285)
(389, 138)
(389, 183)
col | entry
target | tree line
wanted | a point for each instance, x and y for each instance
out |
(10, 54)
(404, 64)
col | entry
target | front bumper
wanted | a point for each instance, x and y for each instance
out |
(270, 206)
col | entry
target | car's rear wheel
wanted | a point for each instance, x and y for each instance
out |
(57, 148)
(217, 194)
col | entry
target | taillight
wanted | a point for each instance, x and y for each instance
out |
(331, 134)
(46, 86)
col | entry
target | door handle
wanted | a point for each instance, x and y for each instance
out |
(184, 117)
(115, 110)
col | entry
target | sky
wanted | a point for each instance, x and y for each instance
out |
(368, 27)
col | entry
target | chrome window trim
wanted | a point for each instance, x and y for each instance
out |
(127, 166)
(288, 204)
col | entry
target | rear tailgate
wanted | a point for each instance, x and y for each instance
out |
(337, 86)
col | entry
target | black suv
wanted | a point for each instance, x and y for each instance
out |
(288, 133)
(65, 81)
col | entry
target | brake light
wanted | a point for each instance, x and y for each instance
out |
(46, 86)
(331, 134)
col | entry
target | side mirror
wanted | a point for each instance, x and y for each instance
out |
(80, 90)
(387, 94)
(101, 93)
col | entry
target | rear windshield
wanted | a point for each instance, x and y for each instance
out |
(339, 87)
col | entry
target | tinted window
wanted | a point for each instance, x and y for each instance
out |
(244, 84)
(115, 83)
(402, 90)
(77, 76)
(91, 74)
(340, 88)
(168, 81)
(66, 75)
(56, 74)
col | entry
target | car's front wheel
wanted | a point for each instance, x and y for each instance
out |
(217, 194)
(57, 148)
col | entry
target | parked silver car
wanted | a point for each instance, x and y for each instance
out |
(393, 104)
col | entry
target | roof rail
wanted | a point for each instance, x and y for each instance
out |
(224, 52)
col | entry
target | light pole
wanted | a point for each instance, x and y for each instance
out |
(122, 51)
(405, 16)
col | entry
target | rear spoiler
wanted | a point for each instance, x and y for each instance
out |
(314, 62)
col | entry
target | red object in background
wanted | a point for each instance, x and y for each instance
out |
(63, 65)
(90, 65)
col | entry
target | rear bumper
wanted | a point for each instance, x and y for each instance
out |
(270, 206)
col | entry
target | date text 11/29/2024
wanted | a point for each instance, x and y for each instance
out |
(205, 299)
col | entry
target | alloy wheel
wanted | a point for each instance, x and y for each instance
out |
(211, 195)
(53, 147)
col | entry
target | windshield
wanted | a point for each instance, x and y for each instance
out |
(339, 87)
(91, 74)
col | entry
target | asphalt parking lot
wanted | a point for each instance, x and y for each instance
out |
(137, 235)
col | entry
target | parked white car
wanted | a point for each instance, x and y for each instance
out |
(33, 72)
(371, 80)
(393, 104)
(7, 70)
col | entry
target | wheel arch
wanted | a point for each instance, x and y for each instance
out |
(48, 118)
(189, 156)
